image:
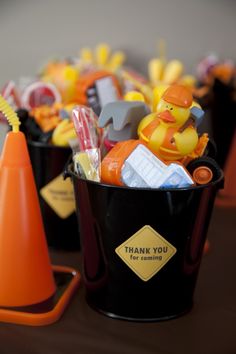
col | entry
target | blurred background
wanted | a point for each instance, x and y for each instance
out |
(33, 31)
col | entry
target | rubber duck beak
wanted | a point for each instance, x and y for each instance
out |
(167, 117)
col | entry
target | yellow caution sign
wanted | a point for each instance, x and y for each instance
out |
(59, 195)
(146, 252)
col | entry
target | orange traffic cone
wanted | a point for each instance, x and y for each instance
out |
(227, 196)
(21, 230)
(26, 275)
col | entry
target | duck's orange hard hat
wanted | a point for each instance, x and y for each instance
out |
(178, 95)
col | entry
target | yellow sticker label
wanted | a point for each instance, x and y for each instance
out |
(59, 195)
(146, 252)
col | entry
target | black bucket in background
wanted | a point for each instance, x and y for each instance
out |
(48, 162)
(109, 216)
(222, 116)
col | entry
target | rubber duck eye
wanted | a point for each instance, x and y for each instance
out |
(171, 108)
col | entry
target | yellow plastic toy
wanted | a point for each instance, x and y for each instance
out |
(63, 133)
(64, 76)
(170, 131)
(144, 89)
(101, 58)
(166, 72)
(134, 96)
(10, 115)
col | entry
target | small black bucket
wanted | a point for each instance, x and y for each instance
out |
(48, 162)
(223, 104)
(142, 248)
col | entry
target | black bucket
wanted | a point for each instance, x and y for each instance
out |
(223, 105)
(48, 162)
(142, 248)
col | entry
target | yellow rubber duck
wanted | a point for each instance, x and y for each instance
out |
(170, 131)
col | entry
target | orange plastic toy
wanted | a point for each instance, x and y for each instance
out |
(88, 80)
(113, 162)
(26, 275)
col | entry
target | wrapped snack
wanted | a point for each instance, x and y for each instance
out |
(87, 164)
(87, 160)
(86, 127)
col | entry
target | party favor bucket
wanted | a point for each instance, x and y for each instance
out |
(142, 248)
(223, 104)
(55, 195)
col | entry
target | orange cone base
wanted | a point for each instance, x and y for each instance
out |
(46, 318)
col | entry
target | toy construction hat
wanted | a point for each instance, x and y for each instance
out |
(178, 95)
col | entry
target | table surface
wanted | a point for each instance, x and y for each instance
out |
(209, 328)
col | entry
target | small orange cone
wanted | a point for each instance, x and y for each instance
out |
(26, 275)
(25, 272)
(227, 196)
